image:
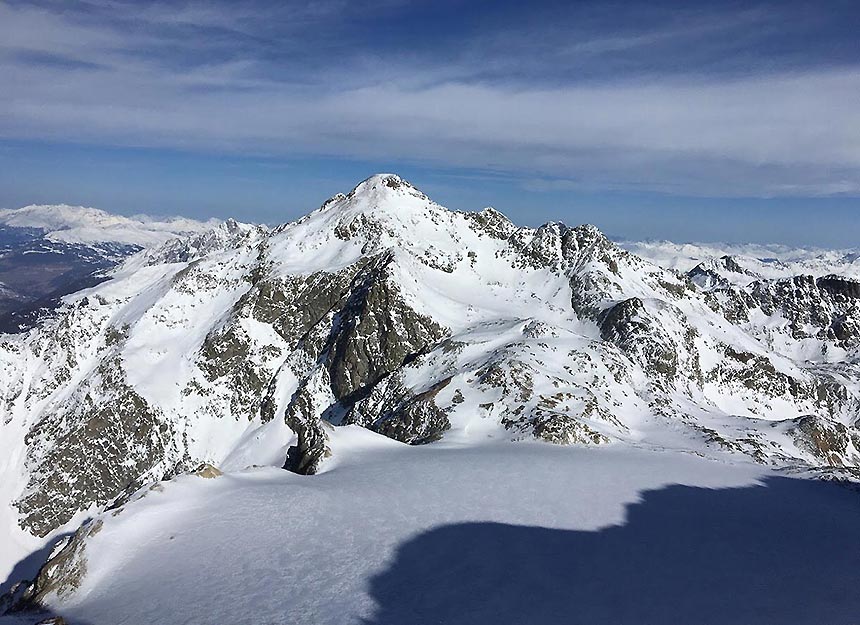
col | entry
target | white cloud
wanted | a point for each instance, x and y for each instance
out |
(786, 134)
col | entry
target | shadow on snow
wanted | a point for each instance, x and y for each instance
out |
(27, 567)
(785, 552)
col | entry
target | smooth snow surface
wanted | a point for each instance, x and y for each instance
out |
(496, 533)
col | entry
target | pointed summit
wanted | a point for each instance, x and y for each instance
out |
(377, 181)
(381, 198)
(381, 186)
(377, 195)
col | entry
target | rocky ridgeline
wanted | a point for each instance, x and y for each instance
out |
(385, 310)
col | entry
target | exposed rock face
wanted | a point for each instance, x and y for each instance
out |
(103, 441)
(374, 333)
(842, 290)
(562, 429)
(711, 273)
(493, 223)
(371, 332)
(825, 309)
(61, 575)
(207, 471)
(829, 440)
(395, 411)
(303, 416)
(628, 326)
(754, 373)
(385, 310)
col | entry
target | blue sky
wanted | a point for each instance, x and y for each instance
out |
(735, 121)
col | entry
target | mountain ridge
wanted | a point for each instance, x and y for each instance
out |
(244, 345)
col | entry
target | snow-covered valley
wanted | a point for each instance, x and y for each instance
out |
(584, 432)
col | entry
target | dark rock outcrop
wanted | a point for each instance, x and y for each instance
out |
(832, 442)
(93, 450)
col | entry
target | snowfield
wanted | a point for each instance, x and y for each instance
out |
(493, 533)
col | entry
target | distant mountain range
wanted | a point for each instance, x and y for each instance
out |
(766, 261)
(50, 251)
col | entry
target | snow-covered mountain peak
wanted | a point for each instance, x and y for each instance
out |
(385, 212)
(382, 194)
(56, 216)
(381, 213)
(223, 236)
(378, 194)
(383, 184)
